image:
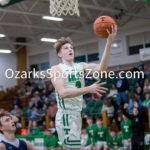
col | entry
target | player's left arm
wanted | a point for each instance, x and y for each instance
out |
(30, 146)
(105, 58)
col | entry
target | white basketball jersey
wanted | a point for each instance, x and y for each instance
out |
(73, 78)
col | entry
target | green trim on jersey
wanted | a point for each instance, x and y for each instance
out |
(61, 100)
(72, 142)
(65, 120)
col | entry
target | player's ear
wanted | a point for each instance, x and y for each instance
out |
(59, 54)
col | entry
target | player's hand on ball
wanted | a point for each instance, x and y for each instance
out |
(97, 88)
(113, 34)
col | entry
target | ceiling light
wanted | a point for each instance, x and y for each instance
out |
(4, 2)
(52, 18)
(5, 51)
(2, 35)
(114, 45)
(48, 40)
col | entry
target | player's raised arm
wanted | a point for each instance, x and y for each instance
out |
(58, 83)
(30, 146)
(105, 57)
(2, 146)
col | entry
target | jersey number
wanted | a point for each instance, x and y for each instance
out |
(78, 84)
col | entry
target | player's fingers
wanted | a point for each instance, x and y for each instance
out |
(106, 89)
(97, 82)
(103, 83)
(112, 28)
(101, 91)
(108, 31)
(98, 94)
(116, 27)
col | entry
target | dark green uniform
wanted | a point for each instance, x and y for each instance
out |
(50, 142)
(120, 138)
(91, 131)
(126, 129)
(112, 142)
(101, 134)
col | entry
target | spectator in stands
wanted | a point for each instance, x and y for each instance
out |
(38, 104)
(132, 102)
(101, 135)
(34, 98)
(120, 139)
(50, 141)
(126, 129)
(109, 108)
(34, 84)
(52, 110)
(146, 102)
(122, 88)
(139, 93)
(113, 141)
(16, 111)
(17, 101)
(52, 128)
(147, 86)
(50, 89)
(52, 96)
(41, 85)
(84, 139)
(43, 113)
(35, 130)
(46, 101)
(44, 95)
(142, 78)
(28, 87)
(137, 128)
(113, 91)
(33, 118)
(91, 131)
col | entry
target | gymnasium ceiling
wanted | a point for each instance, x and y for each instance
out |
(24, 19)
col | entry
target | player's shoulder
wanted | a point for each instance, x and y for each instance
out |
(104, 127)
(82, 64)
(55, 68)
(2, 146)
(129, 120)
(122, 122)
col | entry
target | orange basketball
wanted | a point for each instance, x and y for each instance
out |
(101, 25)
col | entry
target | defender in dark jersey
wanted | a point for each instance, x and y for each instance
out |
(9, 142)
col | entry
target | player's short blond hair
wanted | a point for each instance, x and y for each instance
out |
(3, 113)
(60, 42)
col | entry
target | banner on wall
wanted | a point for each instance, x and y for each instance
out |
(37, 141)
(145, 54)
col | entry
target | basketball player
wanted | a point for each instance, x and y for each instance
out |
(14, 118)
(9, 142)
(67, 78)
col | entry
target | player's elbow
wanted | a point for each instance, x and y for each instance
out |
(63, 94)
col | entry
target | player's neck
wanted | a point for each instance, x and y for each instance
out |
(9, 136)
(68, 63)
(126, 120)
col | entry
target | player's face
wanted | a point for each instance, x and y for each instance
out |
(135, 111)
(89, 121)
(124, 117)
(7, 124)
(112, 133)
(99, 122)
(67, 52)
